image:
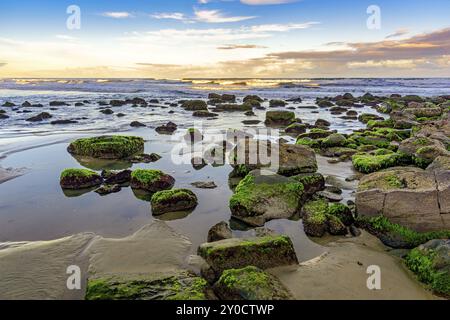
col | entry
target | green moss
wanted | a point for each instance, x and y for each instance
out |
(421, 142)
(285, 117)
(169, 288)
(312, 143)
(421, 262)
(316, 211)
(388, 123)
(107, 147)
(77, 173)
(382, 225)
(367, 163)
(166, 195)
(146, 176)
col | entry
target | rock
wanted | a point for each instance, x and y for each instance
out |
(233, 107)
(408, 196)
(431, 263)
(277, 103)
(323, 103)
(316, 133)
(57, 104)
(279, 118)
(287, 159)
(262, 252)
(177, 285)
(63, 122)
(250, 283)
(355, 231)
(366, 117)
(3, 116)
(8, 104)
(79, 104)
(262, 196)
(296, 128)
(117, 103)
(108, 189)
(250, 113)
(319, 217)
(441, 163)
(79, 179)
(322, 123)
(251, 122)
(424, 112)
(193, 135)
(334, 140)
(144, 158)
(107, 147)
(312, 183)
(107, 111)
(333, 197)
(423, 150)
(253, 98)
(204, 185)
(198, 163)
(168, 128)
(151, 180)
(204, 114)
(136, 124)
(173, 201)
(40, 117)
(194, 105)
(116, 177)
(367, 163)
(26, 104)
(220, 231)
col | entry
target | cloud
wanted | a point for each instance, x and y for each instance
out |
(2, 64)
(65, 37)
(169, 15)
(216, 16)
(240, 46)
(398, 33)
(282, 27)
(117, 15)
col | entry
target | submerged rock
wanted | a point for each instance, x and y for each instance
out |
(79, 179)
(277, 103)
(116, 177)
(137, 124)
(250, 283)
(168, 128)
(108, 189)
(173, 201)
(262, 252)
(40, 117)
(194, 105)
(204, 184)
(107, 147)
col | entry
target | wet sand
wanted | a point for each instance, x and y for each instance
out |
(340, 274)
(37, 270)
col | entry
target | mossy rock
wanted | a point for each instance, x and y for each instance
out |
(262, 252)
(295, 128)
(312, 183)
(323, 103)
(320, 217)
(431, 263)
(79, 179)
(151, 180)
(234, 107)
(204, 114)
(367, 163)
(250, 283)
(366, 117)
(177, 286)
(253, 98)
(277, 103)
(116, 177)
(173, 200)
(107, 147)
(316, 133)
(194, 105)
(334, 140)
(312, 143)
(262, 196)
(279, 118)
(395, 235)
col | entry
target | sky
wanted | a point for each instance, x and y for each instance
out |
(224, 38)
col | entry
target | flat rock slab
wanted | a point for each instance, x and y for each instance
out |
(411, 197)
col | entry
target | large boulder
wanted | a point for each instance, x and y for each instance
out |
(423, 150)
(411, 197)
(107, 147)
(250, 283)
(151, 180)
(79, 179)
(262, 196)
(262, 252)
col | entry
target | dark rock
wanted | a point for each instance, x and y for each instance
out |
(108, 189)
(220, 231)
(136, 124)
(40, 117)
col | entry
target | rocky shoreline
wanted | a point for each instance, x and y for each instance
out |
(401, 162)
